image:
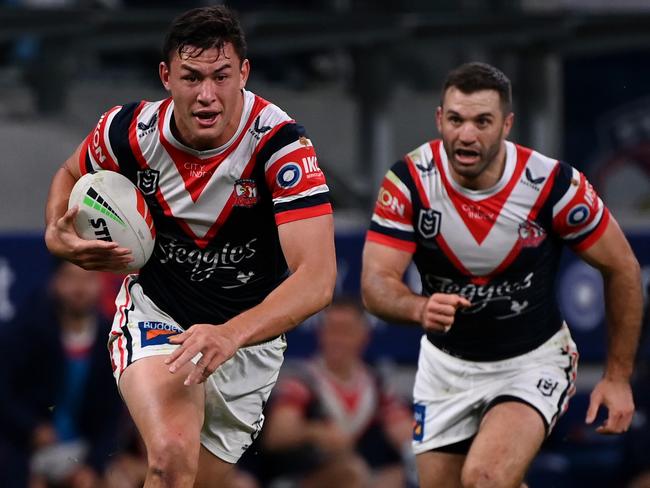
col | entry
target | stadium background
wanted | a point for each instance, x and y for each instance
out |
(364, 78)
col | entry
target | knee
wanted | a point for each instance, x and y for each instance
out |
(486, 476)
(173, 459)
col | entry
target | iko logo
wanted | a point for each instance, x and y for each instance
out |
(93, 200)
(310, 165)
(156, 333)
(289, 175)
(147, 181)
(429, 223)
(149, 126)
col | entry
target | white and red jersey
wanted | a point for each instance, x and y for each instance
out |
(215, 212)
(499, 247)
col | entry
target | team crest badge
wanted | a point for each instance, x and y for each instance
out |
(148, 181)
(245, 193)
(429, 223)
(531, 234)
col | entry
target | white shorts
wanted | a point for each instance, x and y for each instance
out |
(235, 393)
(451, 395)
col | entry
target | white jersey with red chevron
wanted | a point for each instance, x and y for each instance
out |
(216, 211)
(499, 247)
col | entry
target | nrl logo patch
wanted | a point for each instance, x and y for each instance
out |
(546, 386)
(148, 181)
(429, 223)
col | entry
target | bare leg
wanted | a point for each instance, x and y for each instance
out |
(439, 469)
(508, 439)
(214, 471)
(169, 416)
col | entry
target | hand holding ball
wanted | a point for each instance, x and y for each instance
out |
(112, 209)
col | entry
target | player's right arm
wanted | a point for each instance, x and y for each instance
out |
(386, 295)
(60, 236)
(388, 251)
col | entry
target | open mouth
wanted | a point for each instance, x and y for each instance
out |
(466, 156)
(206, 119)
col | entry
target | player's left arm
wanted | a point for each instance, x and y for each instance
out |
(308, 247)
(612, 256)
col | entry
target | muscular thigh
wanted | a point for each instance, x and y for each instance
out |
(439, 469)
(508, 439)
(159, 402)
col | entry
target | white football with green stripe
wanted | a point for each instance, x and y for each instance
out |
(112, 209)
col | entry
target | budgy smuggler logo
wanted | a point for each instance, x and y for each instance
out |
(156, 333)
(96, 202)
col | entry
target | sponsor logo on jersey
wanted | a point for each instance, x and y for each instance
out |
(477, 212)
(202, 263)
(156, 333)
(429, 223)
(242, 277)
(425, 167)
(547, 386)
(419, 418)
(196, 170)
(482, 295)
(388, 200)
(289, 175)
(257, 131)
(579, 214)
(532, 181)
(310, 165)
(245, 193)
(149, 126)
(96, 145)
(531, 234)
(93, 200)
(147, 181)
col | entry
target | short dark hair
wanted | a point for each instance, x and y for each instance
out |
(475, 76)
(205, 28)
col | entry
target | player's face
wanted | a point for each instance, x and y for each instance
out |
(207, 93)
(473, 128)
